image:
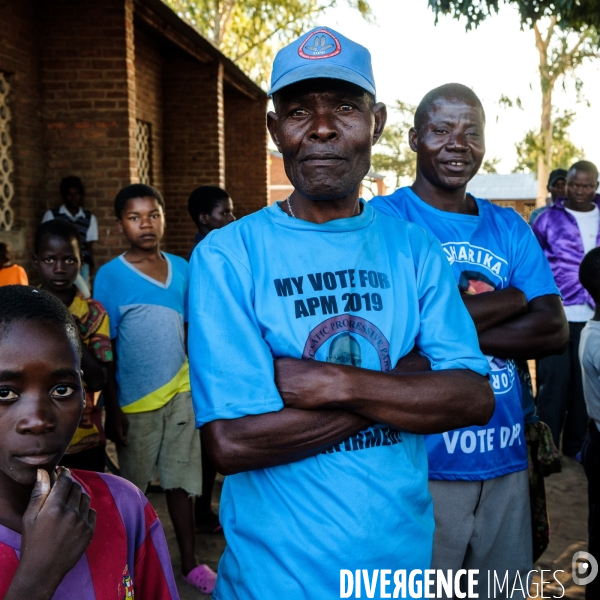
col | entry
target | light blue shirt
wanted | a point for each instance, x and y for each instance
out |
(147, 319)
(358, 291)
(492, 250)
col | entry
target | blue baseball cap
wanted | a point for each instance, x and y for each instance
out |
(323, 53)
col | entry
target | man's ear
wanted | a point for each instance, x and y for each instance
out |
(380, 114)
(203, 218)
(413, 138)
(120, 226)
(34, 258)
(272, 127)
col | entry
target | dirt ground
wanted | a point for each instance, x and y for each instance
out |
(567, 500)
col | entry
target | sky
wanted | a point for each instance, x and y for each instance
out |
(412, 55)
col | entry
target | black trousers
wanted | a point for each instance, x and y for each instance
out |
(560, 399)
(591, 465)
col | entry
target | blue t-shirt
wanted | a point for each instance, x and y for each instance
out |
(493, 250)
(147, 319)
(358, 291)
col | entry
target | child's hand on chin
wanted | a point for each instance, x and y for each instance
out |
(57, 528)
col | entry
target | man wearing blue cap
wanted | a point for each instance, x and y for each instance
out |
(305, 308)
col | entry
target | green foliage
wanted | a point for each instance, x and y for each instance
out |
(573, 14)
(490, 165)
(250, 32)
(397, 157)
(564, 152)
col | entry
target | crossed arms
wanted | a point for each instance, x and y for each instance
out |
(326, 403)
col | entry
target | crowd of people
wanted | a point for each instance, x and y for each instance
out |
(357, 370)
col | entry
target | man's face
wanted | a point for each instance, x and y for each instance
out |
(325, 129)
(581, 188)
(59, 262)
(41, 399)
(450, 143)
(73, 198)
(221, 215)
(557, 189)
(142, 222)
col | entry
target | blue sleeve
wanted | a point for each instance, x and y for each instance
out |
(231, 366)
(447, 335)
(106, 296)
(185, 267)
(530, 271)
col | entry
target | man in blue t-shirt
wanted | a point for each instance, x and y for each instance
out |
(478, 475)
(299, 314)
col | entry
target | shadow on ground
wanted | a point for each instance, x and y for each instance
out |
(567, 500)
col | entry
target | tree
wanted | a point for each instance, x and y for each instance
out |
(490, 166)
(564, 151)
(566, 34)
(250, 32)
(397, 158)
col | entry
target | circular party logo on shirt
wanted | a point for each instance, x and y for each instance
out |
(337, 340)
(320, 44)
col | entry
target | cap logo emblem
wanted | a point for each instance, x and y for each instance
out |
(321, 44)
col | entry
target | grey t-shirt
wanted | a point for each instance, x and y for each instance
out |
(589, 355)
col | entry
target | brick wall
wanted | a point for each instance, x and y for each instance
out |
(81, 72)
(88, 79)
(19, 59)
(279, 184)
(149, 97)
(246, 164)
(193, 141)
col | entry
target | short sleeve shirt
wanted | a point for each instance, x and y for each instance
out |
(127, 557)
(147, 319)
(489, 251)
(358, 291)
(94, 330)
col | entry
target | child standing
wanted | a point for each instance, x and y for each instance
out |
(589, 356)
(10, 273)
(210, 207)
(58, 259)
(63, 535)
(73, 193)
(145, 293)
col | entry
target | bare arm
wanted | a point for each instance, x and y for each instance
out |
(327, 403)
(117, 423)
(491, 309)
(541, 332)
(276, 438)
(421, 402)
(94, 374)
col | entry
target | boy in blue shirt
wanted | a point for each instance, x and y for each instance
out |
(145, 294)
(298, 315)
(478, 475)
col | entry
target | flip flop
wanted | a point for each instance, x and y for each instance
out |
(202, 577)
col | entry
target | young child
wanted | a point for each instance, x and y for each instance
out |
(10, 273)
(64, 535)
(145, 293)
(210, 208)
(58, 259)
(72, 211)
(589, 356)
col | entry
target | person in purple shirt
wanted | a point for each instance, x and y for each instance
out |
(64, 535)
(567, 231)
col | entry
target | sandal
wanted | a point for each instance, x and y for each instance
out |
(202, 577)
